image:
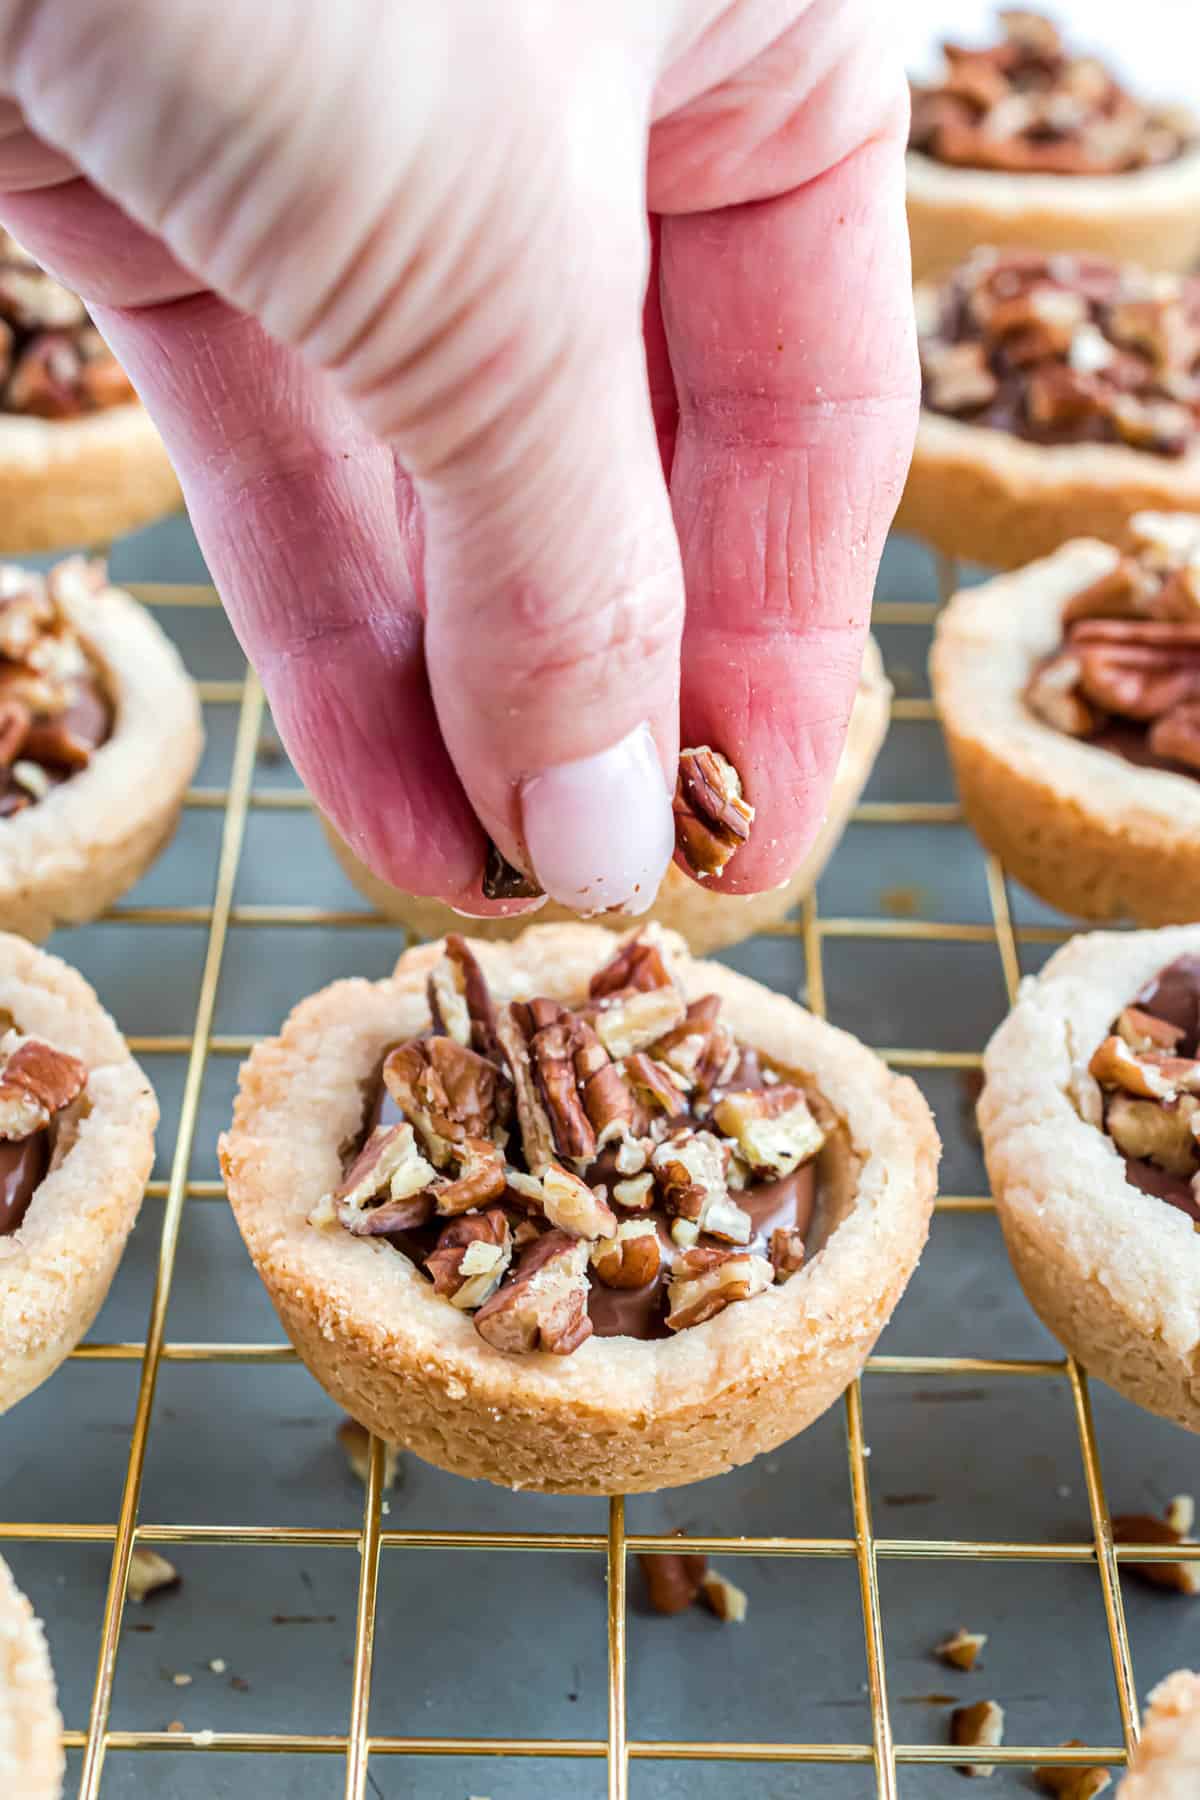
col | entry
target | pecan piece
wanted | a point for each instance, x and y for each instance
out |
(552, 1059)
(673, 1580)
(957, 377)
(1051, 695)
(390, 1165)
(961, 1650)
(543, 1306)
(574, 1207)
(1142, 1031)
(973, 1727)
(636, 1194)
(32, 300)
(786, 1251)
(724, 1598)
(712, 820)
(691, 1172)
(705, 1281)
(1155, 1131)
(1150, 1075)
(479, 1176)
(637, 964)
(634, 1018)
(656, 1085)
(1144, 1528)
(149, 1573)
(699, 1048)
(631, 1258)
(15, 721)
(36, 1082)
(446, 1091)
(471, 1257)
(537, 1137)
(1176, 736)
(773, 1128)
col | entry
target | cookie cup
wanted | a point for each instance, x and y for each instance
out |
(620, 1414)
(65, 859)
(56, 1268)
(1087, 831)
(1146, 216)
(1113, 1272)
(66, 483)
(985, 495)
(31, 1756)
(708, 921)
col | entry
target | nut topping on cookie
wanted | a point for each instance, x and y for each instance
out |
(645, 1138)
(36, 1082)
(53, 362)
(1149, 1076)
(712, 820)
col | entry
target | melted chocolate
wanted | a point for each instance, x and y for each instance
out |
(635, 1312)
(23, 1163)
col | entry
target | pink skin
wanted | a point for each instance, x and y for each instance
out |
(430, 490)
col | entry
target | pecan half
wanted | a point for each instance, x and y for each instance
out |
(446, 1091)
(1138, 667)
(712, 820)
(543, 1306)
(36, 1082)
(471, 1257)
(552, 1059)
(631, 1258)
(773, 1128)
(537, 1137)
(705, 1281)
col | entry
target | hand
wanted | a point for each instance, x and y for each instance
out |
(378, 270)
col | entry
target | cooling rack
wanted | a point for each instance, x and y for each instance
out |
(356, 1755)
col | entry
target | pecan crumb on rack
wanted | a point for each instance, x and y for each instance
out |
(149, 1573)
(979, 1726)
(1144, 1528)
(961, 1650)
(673, 1579)
(712, 820)
(1072, 1782)
(355, 1440)
(723, 1598)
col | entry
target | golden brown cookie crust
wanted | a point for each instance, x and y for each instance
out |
(1146, 216)
(993, 498)
(71, 483)
(1113, 1272)
(619, 1414)
(1166, 1763)
(708, 921)
(1086, 830)
(56, 1268)
(31, 1756)
(63, 860)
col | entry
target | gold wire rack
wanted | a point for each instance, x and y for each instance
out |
(357, 1746)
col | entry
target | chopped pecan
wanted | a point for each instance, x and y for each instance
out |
(552, 1059)
(630, 1258)
(705, 1281)
(786, 1251)
(1051, 694)
(459, 978)
(1176, 736)
(1155, 1131)
(389, 1164)
(656, 1085)
(634, 1018)
(975, 1727)
(773, 1128)
(36, 1082)
(1071, 1782)
(699, 1048)
(673, 1580)
(1144, 1528)
(479, 1177)
(471, 1257)
(637, 964)
(149, 1573)
(1142, 1031)
(1180, 1513)
(574, 1207)
(537, 1138)
(543, 1306)
(690, 1168)
(55, 744)
(501, 881)
(961, 1650)
(1138, 667)
(1149, 1075)
(446, 1091)
(724, 1598)
(957, 377)
(15, 721)
(712, 820)
(635, 1194)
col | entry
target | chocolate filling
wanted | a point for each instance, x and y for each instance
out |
(1065, 349)
(1173, 995)
(23, 1163)
(792, 1201)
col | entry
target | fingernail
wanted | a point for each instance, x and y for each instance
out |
(599, 831)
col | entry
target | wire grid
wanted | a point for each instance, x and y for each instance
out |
(357, 1746)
